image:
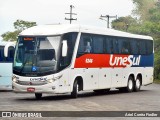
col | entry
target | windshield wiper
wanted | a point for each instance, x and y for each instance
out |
(24, 64)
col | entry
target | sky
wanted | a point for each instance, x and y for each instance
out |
(53, 11)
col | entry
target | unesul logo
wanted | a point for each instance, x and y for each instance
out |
(124, 61)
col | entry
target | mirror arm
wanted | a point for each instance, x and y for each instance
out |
(7, 47)
(64, 48)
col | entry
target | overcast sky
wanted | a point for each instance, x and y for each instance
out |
(53, 11)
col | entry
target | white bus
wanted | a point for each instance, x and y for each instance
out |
(72, 58)
(6, 60)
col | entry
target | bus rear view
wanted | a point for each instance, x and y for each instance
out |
(6, 60)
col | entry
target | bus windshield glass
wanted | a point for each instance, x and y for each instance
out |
(36, 55)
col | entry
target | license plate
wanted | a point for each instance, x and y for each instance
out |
(30, 89)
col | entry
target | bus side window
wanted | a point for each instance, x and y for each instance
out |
(149, 46)
(134, 47)
(124, 46)
(116, 46)
(10, 54)
(71, 39)
(97, 44)
(1, 55)
(108, 45)
(85, 45)
(142, 47)
(2, 58)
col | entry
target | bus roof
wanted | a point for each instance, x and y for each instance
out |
(44, 30)
(4, 43)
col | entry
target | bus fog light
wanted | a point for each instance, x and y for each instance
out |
(50, 80)
(53, 87)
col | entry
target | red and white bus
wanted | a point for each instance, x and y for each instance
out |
(72, 58)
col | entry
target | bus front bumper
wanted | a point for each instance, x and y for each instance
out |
(47, 88)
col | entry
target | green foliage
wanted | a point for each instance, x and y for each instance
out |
(148, 23)
(142, 8)
(10, 36)
(123, 23)
(157, 65)
(19, 26)
(22, 25)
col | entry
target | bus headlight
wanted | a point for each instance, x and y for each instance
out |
(58, 77)
(14, 79)
(54, 79)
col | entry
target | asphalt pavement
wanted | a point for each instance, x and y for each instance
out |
(148, 99)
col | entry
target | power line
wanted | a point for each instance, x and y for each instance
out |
(71, 14)
(108, 18)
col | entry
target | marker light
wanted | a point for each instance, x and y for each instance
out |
(50, 80)
(14, 79)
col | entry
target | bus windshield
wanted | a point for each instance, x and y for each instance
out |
(36, 55)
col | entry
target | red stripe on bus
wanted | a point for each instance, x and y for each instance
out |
(100, 61)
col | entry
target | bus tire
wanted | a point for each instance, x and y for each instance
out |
(137, 84)
(74, 93)
(130, 84)
(38, 96)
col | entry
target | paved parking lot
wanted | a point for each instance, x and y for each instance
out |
(148, 99)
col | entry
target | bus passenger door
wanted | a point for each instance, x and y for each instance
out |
(91, 78)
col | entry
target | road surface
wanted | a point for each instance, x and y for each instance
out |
(148, 99)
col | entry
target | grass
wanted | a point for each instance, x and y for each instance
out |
(156, 81)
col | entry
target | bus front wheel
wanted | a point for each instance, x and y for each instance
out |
(38, 96)
(74, 93)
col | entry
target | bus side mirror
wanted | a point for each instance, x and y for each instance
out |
(64, 48)
(6, 48)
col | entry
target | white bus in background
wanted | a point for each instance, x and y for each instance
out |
(72, 58)
(6, 62)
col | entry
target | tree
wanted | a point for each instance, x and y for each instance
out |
(142, 8)
(149, 12)
(19, 26)
(22, 25)
(148, 23)
(10, 36)
(123, 23)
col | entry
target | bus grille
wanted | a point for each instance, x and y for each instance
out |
(31, 83)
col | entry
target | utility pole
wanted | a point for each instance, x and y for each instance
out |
(108, 18)
(71, 19)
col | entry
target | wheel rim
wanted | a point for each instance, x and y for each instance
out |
(77, 88)
(138, 83)
(130, 84)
